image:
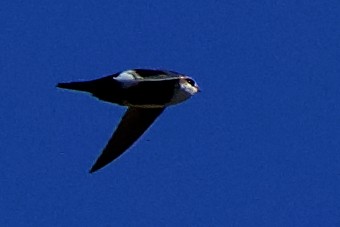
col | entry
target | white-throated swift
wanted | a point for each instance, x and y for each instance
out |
(145, 92)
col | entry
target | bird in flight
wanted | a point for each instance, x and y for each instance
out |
(145, 92)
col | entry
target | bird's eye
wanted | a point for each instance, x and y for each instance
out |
(191, 82)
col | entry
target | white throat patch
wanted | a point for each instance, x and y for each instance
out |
(183, 92)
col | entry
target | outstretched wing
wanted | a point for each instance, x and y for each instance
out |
(133, 124)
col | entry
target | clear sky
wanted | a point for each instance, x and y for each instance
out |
(259, 146)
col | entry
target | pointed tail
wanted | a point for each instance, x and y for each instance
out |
(78, 86)
(105, 88)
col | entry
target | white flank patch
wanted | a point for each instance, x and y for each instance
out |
(126, 75)
(127, 78)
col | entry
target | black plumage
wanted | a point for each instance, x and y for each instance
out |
(146, 93)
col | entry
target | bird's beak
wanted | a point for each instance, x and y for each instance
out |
(198, 89)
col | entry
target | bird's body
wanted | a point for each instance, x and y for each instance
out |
(146, 93)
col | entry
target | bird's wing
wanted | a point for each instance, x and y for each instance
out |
(133, 124)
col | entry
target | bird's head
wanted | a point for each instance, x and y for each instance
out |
(188, 85)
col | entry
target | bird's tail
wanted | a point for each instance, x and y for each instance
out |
(106, 88)
(78, 86)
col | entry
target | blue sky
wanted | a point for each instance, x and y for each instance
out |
(258, 147)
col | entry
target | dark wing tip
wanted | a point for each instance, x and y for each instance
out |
(93, 169)
(133, 124)
(100, 163)
(107, 156)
